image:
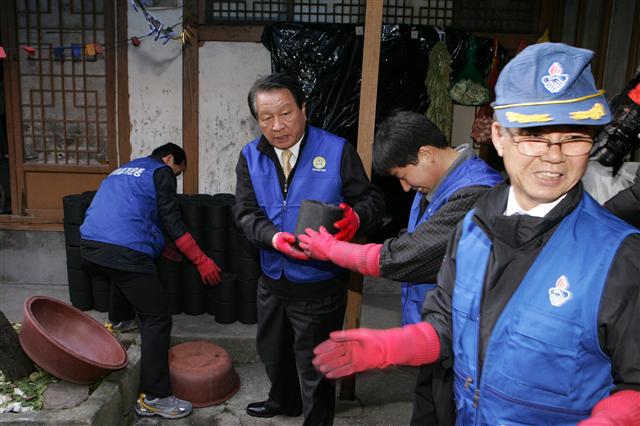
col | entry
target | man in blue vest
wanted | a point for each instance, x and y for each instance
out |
(300, 301)
(447, 182)
(538, 300)
(122, 238)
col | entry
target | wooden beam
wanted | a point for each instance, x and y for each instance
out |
(366, 128)
(122, 61)
(12, 106)
(369, 86)
(190, 105)
(237, 33)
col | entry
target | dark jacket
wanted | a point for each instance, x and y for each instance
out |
(626, 203)
(366, 199)
(517, 241)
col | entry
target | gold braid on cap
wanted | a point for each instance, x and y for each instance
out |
(595, 112)
(516, 117)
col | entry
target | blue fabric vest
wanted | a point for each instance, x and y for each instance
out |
(544, 365)
(472, 172)
(317, 177)
(124, 211)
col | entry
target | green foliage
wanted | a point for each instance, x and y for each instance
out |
(28, 391)
(440, 110)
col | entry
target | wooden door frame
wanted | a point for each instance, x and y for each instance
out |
(118, 98)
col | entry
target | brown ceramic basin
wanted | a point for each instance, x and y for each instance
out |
(68, 343)
(201, 372)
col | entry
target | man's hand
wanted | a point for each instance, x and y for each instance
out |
(207, 268)
(348, 225)
(317, 244)
(209, 271)
(284, 243)
(348, 352)
(361, 349)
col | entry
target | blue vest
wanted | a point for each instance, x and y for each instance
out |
(472, 172)
(124, 211)
(544, 365)
(317, 177)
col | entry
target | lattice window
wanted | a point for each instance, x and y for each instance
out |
(517, 16)
(63, 91)
(417, 12)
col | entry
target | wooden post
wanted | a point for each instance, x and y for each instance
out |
(190, 101)
(366, 127)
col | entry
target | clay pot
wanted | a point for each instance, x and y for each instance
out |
(201, 372)
(68, 343)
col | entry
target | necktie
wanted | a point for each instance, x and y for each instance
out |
(424, 203)
(286, 163)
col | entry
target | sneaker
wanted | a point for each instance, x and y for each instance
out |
(121, 326)
(169, 407)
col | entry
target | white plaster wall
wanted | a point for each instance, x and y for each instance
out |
(227, 71)
(155, 84)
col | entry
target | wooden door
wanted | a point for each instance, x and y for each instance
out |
(62, 100)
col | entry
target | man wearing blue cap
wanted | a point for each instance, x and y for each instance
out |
(538, 301)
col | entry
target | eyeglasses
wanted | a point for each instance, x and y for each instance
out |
(533, 146)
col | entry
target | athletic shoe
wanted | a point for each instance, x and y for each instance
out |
(169, 407)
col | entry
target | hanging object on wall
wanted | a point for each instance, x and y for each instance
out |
(90, 52)
(3, 54)
(135, 41)
(157, 28)
(76, 52)
(481, 128)
(440, 110)
(58, 53)
(29, 50)
(469, 88)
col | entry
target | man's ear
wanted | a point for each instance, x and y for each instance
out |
(168, 159)
(498, 137)
(426, 152)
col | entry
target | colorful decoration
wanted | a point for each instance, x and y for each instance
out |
(3, 54)
(157, 28)
(58, 53)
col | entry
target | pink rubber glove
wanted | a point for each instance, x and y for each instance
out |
(360, 349)
(284, 243)
(348, 225)
(207, 268)
(364, 259)
(620, 409)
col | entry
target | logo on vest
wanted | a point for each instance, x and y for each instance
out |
(132, 171)
(319, 164)
(560, 294)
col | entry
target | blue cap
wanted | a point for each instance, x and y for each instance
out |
(549, 84)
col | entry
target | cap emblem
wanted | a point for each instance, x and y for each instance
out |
(556, 79)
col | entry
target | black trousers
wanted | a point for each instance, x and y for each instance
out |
(288, 330)
(433, 401)
(145, 293)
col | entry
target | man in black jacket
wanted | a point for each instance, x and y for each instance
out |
(300, 301)
(122, 238)
(538, 302)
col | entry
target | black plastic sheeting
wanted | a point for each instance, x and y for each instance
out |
(327, 60)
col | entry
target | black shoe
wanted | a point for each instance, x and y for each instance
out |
(262, 409)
